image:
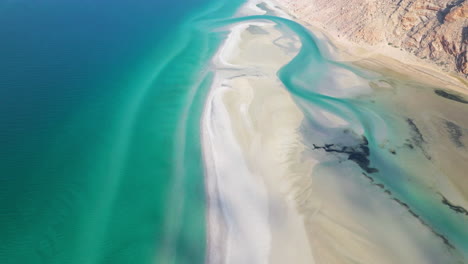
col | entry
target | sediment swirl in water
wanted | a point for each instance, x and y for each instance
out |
(369, 134)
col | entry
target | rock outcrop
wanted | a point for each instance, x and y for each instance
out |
(436, 30)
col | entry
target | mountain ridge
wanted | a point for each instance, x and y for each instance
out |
(432, 30)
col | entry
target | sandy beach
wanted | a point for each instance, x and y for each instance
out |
(270, 198)
(381, 58)
(407, 69)
(252, 148)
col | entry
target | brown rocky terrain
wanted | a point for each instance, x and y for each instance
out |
(434, 30)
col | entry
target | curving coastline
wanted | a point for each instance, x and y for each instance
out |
(249, 125)
(253, 165)
(431, 33)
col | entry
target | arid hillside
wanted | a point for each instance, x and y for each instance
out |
(435, 30)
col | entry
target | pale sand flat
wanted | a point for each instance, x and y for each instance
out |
(268, 202)
(250, 135)
(381, 58)
(394, 63)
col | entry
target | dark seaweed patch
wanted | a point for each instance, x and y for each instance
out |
(451, 96)
(409, 145)
(408, 208)
(456, 208)
(417, 137)
(455, 133)
(358, 154)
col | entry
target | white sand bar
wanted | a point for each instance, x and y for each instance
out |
(252, 148)
(268, 199)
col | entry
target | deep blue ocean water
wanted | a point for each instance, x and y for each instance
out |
(100, 158)
(97, 98)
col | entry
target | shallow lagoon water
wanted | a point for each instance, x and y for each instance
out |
(387, 145)
(100, 158)
(379, 128)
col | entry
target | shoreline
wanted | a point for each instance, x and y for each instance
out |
(240, 150)
(382, 58)
(391, 63)
(236, 131)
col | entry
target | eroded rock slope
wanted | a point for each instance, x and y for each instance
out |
(436, 30)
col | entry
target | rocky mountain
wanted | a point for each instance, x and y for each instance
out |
(436, 30)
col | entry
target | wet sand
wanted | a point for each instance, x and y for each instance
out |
(274, 197)
(252, 148)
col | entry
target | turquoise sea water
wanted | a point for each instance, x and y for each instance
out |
(100, 154)
(377, 130)
(382, 124)
(99, 130)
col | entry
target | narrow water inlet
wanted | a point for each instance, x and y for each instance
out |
(373, 147)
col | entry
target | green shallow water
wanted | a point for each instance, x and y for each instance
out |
(100, 150)
(381, 124)
(400, 178)
(99, 130)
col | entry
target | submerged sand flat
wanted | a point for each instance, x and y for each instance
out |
(252, 147)
(280, 191)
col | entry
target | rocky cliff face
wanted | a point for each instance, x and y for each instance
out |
(436, 30)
